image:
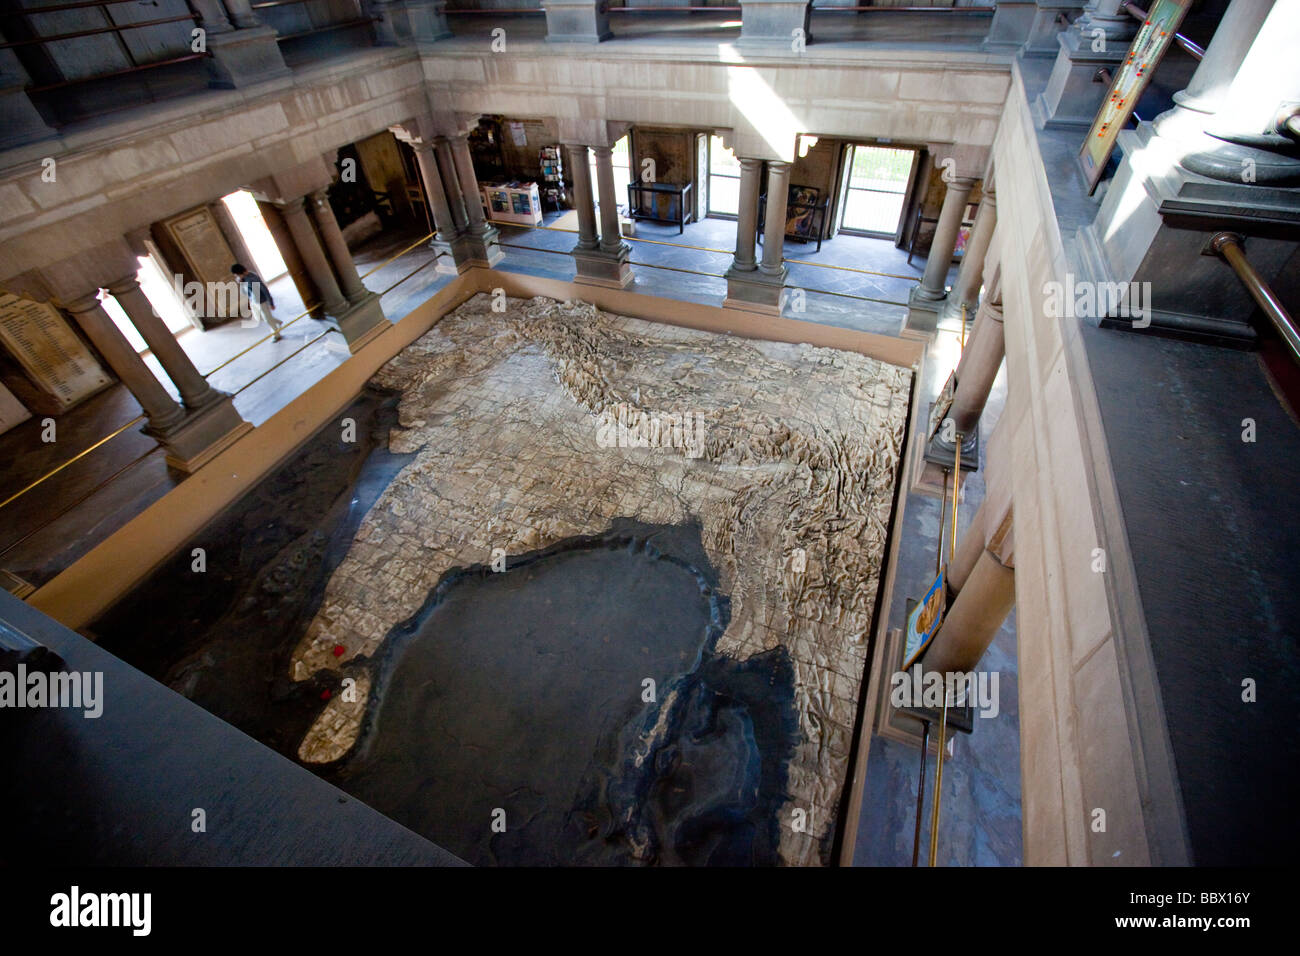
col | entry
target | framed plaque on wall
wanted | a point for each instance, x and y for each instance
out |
(51, 354)
(208, 255)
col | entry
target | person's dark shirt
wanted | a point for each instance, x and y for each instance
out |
(253, 284)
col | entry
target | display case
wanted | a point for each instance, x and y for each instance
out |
(552, 165)
(517, 203)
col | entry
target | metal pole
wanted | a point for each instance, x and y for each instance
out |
(938, 777)
(943, 515)
(956, 487)
(920, 787)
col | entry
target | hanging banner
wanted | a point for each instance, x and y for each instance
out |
(923, 623)
(1131, 79)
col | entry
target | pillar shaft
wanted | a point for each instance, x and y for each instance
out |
(194, 388)
(241, 12)
(212, 16)
(433, 188)
(967, 554)
(583, 201)
(313, 256)
(778, 188)
(979, 366)
(747, 215)
(1232, 40)
(945, 239)
(468, 183)
(1268, 76)
(336, 246)
(611, 238)
(447, 163)
(973, 620)
(158, 405)
(971, 274)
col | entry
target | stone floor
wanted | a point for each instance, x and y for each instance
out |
(785, 456)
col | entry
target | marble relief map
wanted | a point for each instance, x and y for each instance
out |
(542, 422)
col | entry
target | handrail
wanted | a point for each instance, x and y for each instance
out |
(1194, 50)
(117, 28)
(1227, 246)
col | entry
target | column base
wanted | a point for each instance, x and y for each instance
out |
(755, 291)
(359, 324)
(451, 260)
(598, 267)
(244, 57)
(425, 21)
(923, 312)
(1044, 30)
(1010, 26)
(1147, 248)
(483, 246)
(20, 123)
(1072, 96)
(769, 25)
(577, 21)
(202, 435)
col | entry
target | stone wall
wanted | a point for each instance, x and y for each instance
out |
(1080, 632)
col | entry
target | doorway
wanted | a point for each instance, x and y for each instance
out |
(874, 188)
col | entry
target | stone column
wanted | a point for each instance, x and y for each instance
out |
(244, 56)
(1266, 86)
(611, 236)
(194, 388)
(433, 188)
(607, 264)
(976, 370)
(933, 281)
(449, 241)
(583, 202)
(751, 171)
(426, 20)
(758, 287)
(162, 410)
(577, 21)
(970, 276)
(1208, 87)
(1098, 40)
(778, 193)
(973, 620)
(313, 256)
(979, 366)
(455, 196)
(212, 16)
(775, 26)
(1046, 27)
(359, 318)
(482, 238)
(241, 12)
(337, 248)
(1176, 185)
(1009, 28)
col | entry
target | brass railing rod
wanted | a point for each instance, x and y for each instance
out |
(727, 252)
(82, 500)
(1227, 245)
(77, 457)
(398, 255)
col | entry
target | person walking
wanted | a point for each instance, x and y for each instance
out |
(259, 297)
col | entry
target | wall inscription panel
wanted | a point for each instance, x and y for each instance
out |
(203, 244)
(38, 336)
